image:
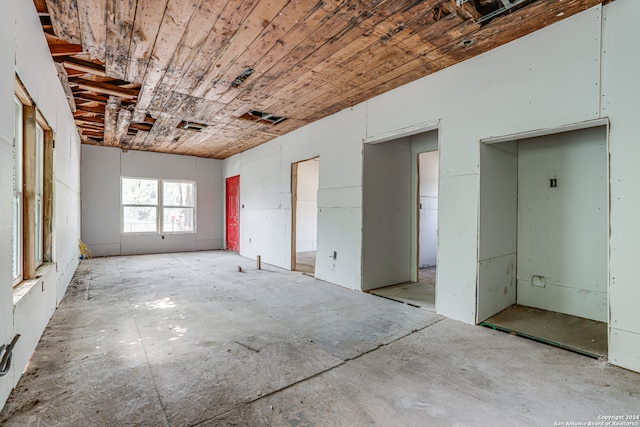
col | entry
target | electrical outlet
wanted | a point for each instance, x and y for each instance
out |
(539, 281)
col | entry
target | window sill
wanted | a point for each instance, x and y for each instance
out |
(24, 288)
(154, 233)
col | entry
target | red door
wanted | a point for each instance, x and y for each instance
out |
(233, 213)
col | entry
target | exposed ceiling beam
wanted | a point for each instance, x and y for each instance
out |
(82, 65)
(105, 88)
(88, 97)
(90, 109)
(89, 120)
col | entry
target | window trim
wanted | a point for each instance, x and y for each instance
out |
(123, 205)
(159, 207)
(34, 236)
(38, 194)
(163, 206)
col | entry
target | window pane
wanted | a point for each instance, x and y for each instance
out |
(38, 229)
(39, 158)
(139, 191)
(138, 219)
(17, 147)
(178, 193)
(177, 220)
(17, 236)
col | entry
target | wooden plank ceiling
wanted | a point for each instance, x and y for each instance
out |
(213, 78)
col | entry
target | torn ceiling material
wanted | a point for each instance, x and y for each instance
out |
(137, 69)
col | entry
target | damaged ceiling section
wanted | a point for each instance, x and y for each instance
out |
(213, 78)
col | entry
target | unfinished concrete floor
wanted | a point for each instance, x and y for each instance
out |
(186, 339)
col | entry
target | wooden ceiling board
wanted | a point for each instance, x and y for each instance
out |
(119, 26)
(138, 68)
(256, 22)
(92, 20)
(194, 37)
(64, 18)
(174, 21)
(147, 22)
(271, 40)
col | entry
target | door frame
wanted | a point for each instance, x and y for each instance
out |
(294, 207)
(604, 122)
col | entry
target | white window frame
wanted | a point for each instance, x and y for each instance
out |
(162, 206)
(124, 205)
(18, 202)
(159, 207)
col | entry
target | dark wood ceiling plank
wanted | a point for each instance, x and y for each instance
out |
(119, 25)
(64, 18)
(82, 96)
(59, 47)
(147, 22)
(91, 14)
(175, 19)
(141, 126)
(91, 133)
(41, 6)
(93, 109)
(94, 121)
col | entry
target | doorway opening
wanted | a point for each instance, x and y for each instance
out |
(305, 180)
(232, 214)
(543, 239)
(400, 219)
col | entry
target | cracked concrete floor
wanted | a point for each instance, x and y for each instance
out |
(186, 339)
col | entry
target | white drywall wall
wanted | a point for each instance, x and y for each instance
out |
(543, 80)
(428, 205)
(620, 93)
(498, 228)
(563, 231)
(386, 213)
(23, 50)
(102, 168)
(307, 205)
(265, 195)
(576, 70)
